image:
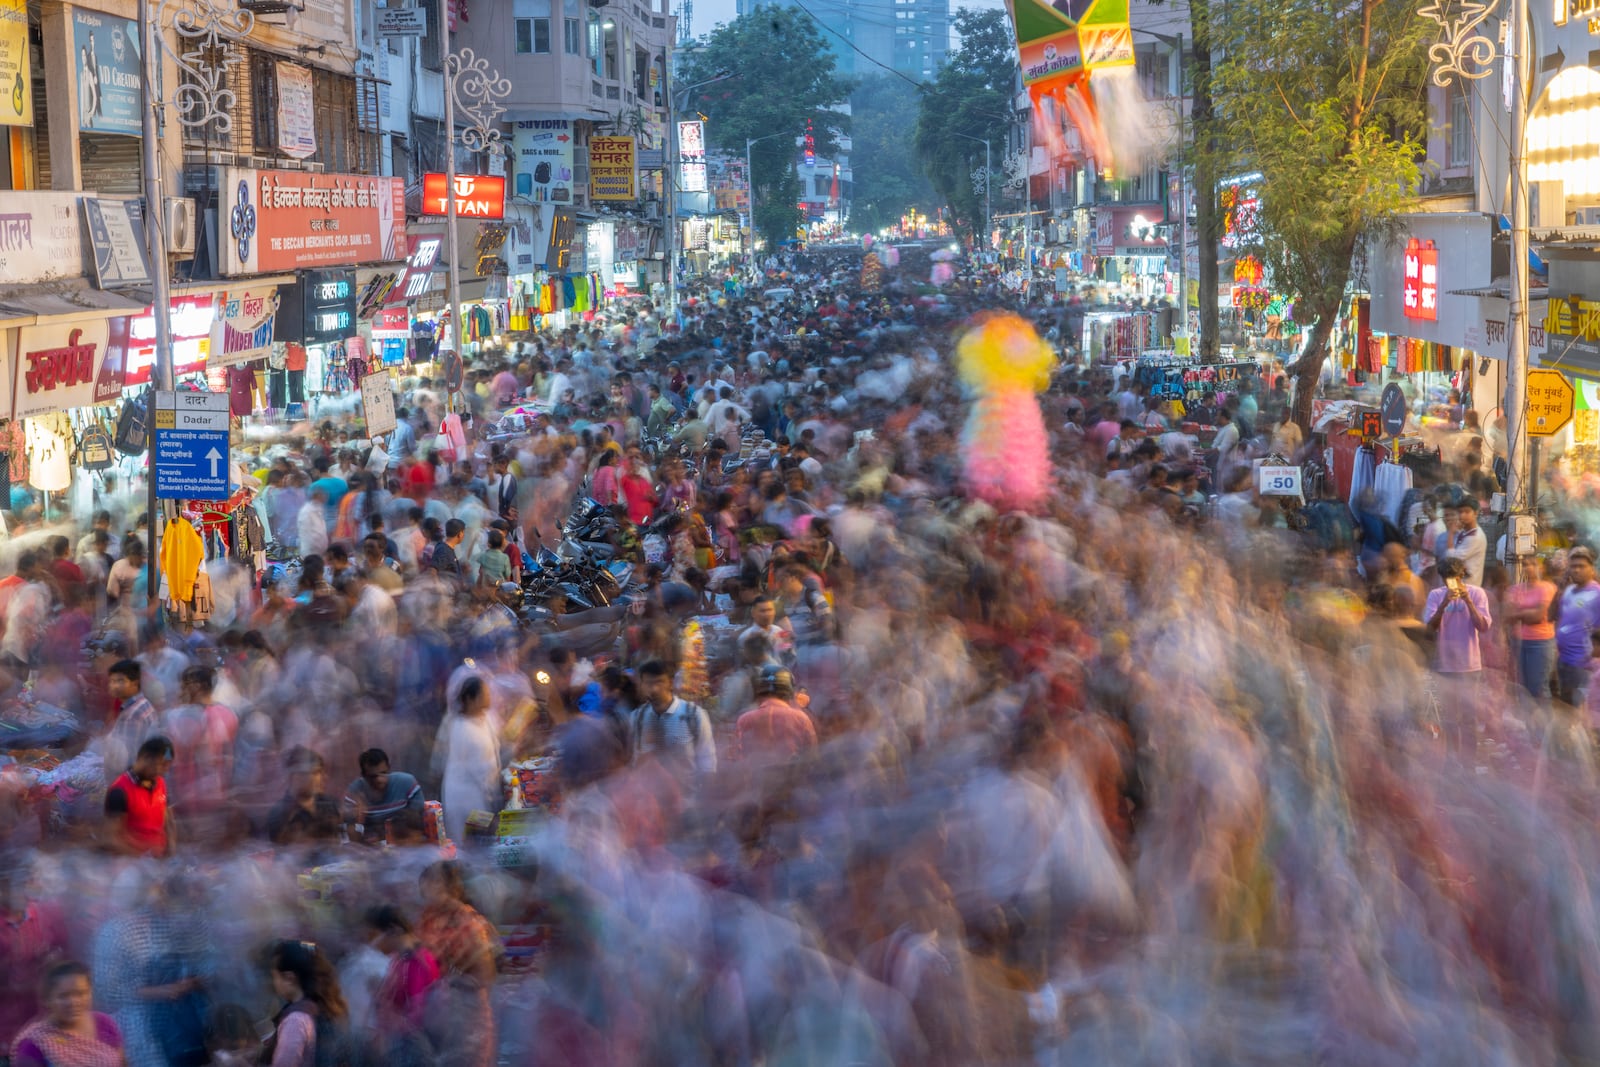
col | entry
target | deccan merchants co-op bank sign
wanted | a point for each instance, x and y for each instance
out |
(284, 220)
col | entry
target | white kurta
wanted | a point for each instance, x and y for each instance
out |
(471, 772)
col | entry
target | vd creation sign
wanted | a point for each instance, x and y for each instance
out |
(477, 196)
(110, 73)
(285, 220)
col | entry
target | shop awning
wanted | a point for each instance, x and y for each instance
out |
(72, 298)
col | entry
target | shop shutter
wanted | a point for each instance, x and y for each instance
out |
(111, 163)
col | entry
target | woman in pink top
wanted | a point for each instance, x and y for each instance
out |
(1528, 605)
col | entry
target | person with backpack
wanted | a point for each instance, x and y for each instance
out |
(675, 729)
(310, 1028)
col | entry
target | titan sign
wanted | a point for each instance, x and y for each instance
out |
(478, 196)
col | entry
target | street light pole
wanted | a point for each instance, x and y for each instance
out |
(1518, 47)
(1468, 55)
(156, 244)
(452, 239)
(209, 42)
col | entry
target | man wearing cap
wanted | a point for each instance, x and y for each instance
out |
(1579, 616)
(1469, 544)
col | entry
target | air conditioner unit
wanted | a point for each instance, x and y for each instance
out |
(178, 222)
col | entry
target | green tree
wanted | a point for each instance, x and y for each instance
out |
(971, 98)
(887, 178)
(1329, 103)
(781, 74)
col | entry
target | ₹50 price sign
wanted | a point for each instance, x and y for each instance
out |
(1551, 400)
(1274, 480)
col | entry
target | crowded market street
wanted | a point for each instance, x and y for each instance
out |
(857, 533)
(866, 749)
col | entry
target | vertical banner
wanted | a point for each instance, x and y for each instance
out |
(297, 111)
(110, 73)
(16, 72)
(692, 157)
(611, 169)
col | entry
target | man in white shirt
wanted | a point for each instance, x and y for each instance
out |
(1469, 544)
(312, 524)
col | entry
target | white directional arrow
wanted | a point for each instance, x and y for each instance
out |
(214, 456)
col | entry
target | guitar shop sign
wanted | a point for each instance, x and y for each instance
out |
(56, 367)
(242, 329)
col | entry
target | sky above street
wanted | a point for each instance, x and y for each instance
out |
(708, 13)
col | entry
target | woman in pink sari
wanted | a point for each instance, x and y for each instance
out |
(69, 1033)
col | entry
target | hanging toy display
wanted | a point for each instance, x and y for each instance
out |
(1077, 62)
(871, 273)
(1004, 449)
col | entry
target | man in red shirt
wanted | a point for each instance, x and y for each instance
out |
(137, 812)
(775, 731)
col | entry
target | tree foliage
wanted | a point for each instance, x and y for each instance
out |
(1328, 103)
(887, 178)
(782, 74)
(971, 98)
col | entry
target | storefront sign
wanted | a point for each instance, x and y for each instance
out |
(478, 196)
(41, 238)
(190, 324)
(1420, 280)
(56, 366)
(16, 72)
(242, 328)
(1241, 214)
(330, 298)
(283, 220)
(418, 277)
(117, 242)
(542, 150)
(402, 22)
(297, 111)
(391, 322)
(113, 371)
(110, 73)
(611, 169)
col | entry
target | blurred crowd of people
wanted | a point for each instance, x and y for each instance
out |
(864, 771)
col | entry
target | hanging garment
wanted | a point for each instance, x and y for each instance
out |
(49, 453)
(182, 552)
(1390, 484)
(241, 391)
(1362, 477)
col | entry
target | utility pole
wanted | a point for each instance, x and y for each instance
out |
(452, 239)
(1208, 236)
(156, 246)
(1518, 47)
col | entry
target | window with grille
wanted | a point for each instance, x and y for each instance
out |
(432, 55)
(1459, 134)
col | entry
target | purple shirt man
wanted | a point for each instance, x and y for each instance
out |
(1458, 613)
